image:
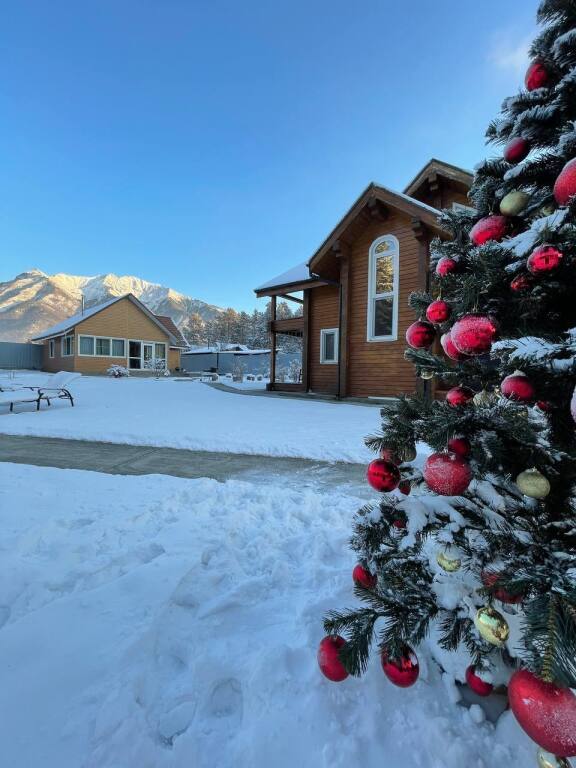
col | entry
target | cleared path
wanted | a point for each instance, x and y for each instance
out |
(116, 459)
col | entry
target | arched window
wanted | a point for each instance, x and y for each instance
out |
(383, 282)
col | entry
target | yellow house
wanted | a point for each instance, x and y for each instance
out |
(120, 331)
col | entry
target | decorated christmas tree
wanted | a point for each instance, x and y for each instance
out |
(474, 546)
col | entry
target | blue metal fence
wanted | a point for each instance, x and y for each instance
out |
(20, 356)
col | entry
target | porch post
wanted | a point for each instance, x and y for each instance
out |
(272, 341)
(343, 331)
(305, 315)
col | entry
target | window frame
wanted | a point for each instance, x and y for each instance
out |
(393, 294)
(51, 348)
(63, 341)
(86, 354)
(102, 354)
(323, 333)
(112, 340)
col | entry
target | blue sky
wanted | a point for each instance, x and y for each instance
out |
(210, 145)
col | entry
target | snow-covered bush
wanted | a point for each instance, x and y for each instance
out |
(118, 371)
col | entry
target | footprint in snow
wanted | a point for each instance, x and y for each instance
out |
(225, 706)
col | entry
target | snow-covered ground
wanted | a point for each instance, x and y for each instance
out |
(193, 415)
(153, 621)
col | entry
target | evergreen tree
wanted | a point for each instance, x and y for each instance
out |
(484, 546)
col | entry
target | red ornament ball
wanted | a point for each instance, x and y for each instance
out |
(518, 387)
(460, 446)
(516, 150)
(490, 228)
(399, 523)
(544, 405)
(479, 686)
(459, 396)
(565, 184)
(489, 579)
(363, 577)
(545, 711)
(447, 266)
(402, 671)
(521, 283)
(420, 334)
(537, 76)
(544, 259)
(329, 658)
(383, 475)
(450, 349)
(405, 487)
(447, 474)
(474, 334)
(438, 312)
(388, 455)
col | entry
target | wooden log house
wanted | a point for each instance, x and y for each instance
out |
(354, 289)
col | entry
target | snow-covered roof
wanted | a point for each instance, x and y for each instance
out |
(412, 200)
(70, 322)
(297, 274)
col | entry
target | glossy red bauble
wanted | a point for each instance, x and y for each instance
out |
(363, 577)
(460, 446)
(405, 487)
(383, 475)
(447, 474)
(402, 671)
(438, 312)
(490, 228)
(479, 686)
(521, 283)
(544, 405)
(450, 349)
(329, 658)
(489, 579)
(399, 523)
(388, 455)
(447, 266)
(565, 184)
(537, 76)
(474, 334)
(545, 711)
(516, 150)
(544, 259)
(459, 396)
(518, 387)
(420, 334)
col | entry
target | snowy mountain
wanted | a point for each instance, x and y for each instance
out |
(34, 300)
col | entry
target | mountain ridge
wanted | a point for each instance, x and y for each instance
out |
(35, 300)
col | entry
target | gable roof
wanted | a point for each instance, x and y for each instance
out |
(70, 322)
(173, 329)
(452, 172)
(397, 200)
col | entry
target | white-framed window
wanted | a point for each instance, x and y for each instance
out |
(118, 348)
(51, 348)
(86, 346)
(160, 351)
(67, 346)
(329, 345)
(383, 284)
(102, 347)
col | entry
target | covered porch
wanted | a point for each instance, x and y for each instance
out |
(284, 286)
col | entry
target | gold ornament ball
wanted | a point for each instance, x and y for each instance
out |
(485, 398)
(448, 560)
(532, 483)
(426, 373)
(408, 453)
(492, 626)
(514, 203)
(546, 210)
(548, 760)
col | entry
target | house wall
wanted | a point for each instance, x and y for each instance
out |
(56, 363)
(323, 313)
(173, 359)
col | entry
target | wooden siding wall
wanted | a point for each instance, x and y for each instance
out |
(378, 367)
(173, 359)
(122, 320)
(323, 309)
(56, 363)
